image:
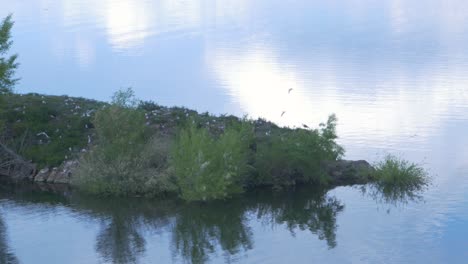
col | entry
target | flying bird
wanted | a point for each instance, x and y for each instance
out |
(283, 113)
(290, 89)
(305, 126)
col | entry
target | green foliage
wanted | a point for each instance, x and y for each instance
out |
(53, 128)
(126, 160)
(141, 148)
(397, 181)
(206, 162)
(127, 173)
(125, 98)
(393, 171)
(208, 167)
(120, 129)
(8, 65)
(288, 157)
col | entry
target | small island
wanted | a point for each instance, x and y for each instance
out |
(130, 147)
(134, 148)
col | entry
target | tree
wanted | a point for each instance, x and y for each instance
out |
(8, 65)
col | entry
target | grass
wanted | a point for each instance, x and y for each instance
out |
(398, 181)
(396, 172)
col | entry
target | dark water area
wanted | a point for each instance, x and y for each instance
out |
(394, 72)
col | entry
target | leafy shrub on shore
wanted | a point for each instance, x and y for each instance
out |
(126, 174)
(290, 157)
(208, 167)
(127, 160)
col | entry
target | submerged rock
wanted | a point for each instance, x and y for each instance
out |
(347, 172)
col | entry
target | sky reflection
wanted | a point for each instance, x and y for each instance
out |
(382, 67)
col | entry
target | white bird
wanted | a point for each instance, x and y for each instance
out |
(43, 134)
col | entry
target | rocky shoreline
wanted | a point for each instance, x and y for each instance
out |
(340, 172)
(57, 175)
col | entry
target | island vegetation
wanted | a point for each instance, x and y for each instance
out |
(130, 147)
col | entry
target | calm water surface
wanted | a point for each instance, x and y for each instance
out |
(394, 72)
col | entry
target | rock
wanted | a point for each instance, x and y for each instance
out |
(65, 172)
(42, 175)
(32, 175)
(60, 175)
(343, 172)
(53, 174)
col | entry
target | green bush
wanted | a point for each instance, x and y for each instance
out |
(208, 167)
(127, 174)
(127, 160)
(289, 157)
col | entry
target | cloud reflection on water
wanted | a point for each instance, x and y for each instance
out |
(258, 82)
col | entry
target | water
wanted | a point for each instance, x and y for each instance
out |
(394, 72)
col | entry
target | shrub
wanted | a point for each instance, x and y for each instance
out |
(294, 156)
(126, 160)
(208, 167)
(144, 173)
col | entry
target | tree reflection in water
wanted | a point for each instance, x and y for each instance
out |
(123, 224)
(6, 256)
(399, 195)
(198, 230)
(120, 241)
(302, 209)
